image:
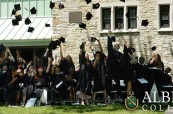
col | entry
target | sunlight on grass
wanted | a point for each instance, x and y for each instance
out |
(109, 109)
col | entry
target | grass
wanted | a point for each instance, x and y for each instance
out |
(108, 109)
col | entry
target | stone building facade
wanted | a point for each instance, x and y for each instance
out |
(111, 15)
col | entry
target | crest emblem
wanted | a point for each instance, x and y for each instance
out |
(131, 102)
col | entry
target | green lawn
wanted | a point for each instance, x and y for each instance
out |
(109, 109)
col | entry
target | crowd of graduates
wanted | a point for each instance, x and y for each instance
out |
(49, 82)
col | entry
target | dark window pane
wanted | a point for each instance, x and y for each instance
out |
(132, 19)
(119, 20)
(164, 16)
(106, 18)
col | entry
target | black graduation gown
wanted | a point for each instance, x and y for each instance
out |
(128, 67)
(99, 75)
(141, 71)
(85, 75)
(56, 79)
(65, 66)
(115, 60)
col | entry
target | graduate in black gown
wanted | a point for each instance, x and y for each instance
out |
(115, 64)
(156, 67)
(167, 79)
(66, 62)
(141, 72)
(85, 74)
(129, 61)
(99, 71)
(58, 87)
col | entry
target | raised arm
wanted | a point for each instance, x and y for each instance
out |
(82, 53)
(95, 62)
(27, 67)
(109, 43)
(92, 49)
(11, 56)
(45, 54)
(18, 55)
(100, 45)
(49, 64)
(61, 53)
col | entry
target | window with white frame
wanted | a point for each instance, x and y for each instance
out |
(42, 6)
(132, 17)
(118, 20)
(119, 17)
(106, 18)
(164, 16)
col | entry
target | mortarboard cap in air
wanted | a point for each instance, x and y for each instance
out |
(18, 18)
(144, 22)
(33, 11)
(47, 25)
(30, 29)
(87, 1)
(96, 6)
(127, 15)
(61, 6)
(13, 12)
(82, 25)
(17, 7)
(52, 45)
(52, 5)
(153, 48)
(122, 0)
(27, 21)
(89, 16)
(62, 39)
(15, 22)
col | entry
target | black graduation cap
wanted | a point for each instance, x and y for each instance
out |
(88, 1)
(17, 7)
(62, 39)
(15, 22)
(13, 12)
(145, 22)
(52, 45)
(122, 0)
(47, 25)
(127, 14)
(33, 11)
(96, 6)
(93, 39)
(153, 48)
(82, 25)
(52, 5)
(1, 47)
(30, 29)
(89, 16)
(27, 21)
(61, 6)
(58, 42)
(18, 18)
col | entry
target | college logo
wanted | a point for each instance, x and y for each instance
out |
(131, 102)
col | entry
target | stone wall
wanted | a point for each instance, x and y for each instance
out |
(143, 40)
